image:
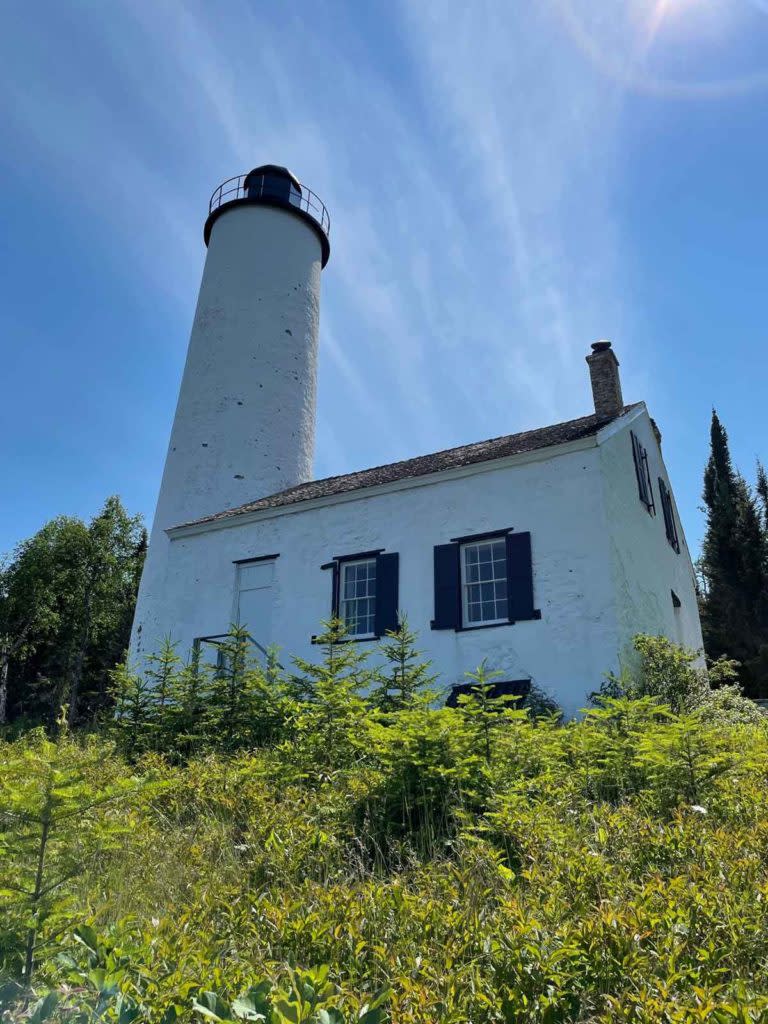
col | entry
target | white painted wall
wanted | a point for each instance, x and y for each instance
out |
(245, 419)
(603, 569)
(645, 567)
(559, 500)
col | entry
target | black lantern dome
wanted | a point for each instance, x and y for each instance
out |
(272, 185)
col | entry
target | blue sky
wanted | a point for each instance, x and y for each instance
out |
(508, 182)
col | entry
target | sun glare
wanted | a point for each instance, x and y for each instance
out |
(659, 14)
(625, 43)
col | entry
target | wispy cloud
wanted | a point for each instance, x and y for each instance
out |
(532, 131)
(468, 172)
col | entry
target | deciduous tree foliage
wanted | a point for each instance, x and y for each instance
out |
(67, 597)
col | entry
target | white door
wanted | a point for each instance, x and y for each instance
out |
(254, 600)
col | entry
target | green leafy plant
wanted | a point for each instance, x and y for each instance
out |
(53, 797)
(478, 863)
(307, 998)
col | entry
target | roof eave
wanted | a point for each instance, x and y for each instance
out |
(404, 483)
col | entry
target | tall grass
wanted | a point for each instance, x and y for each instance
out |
(481, 864)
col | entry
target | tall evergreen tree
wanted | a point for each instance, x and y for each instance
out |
(762, 491)
(734, 567)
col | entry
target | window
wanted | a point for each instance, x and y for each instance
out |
(484, 582)
(670, 525)
(640, 456)
(365, 592)
(357, 597)
(506, 688)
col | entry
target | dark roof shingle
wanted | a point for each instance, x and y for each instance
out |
(422, 465)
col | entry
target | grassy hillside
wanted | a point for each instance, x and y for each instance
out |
(374, 858)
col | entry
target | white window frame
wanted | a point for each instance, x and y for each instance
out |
(344, 602)
(467, 585)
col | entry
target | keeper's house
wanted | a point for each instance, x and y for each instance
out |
(543, 552)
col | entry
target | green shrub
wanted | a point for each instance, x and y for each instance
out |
(475, 864)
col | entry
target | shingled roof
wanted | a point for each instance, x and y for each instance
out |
(423, 465)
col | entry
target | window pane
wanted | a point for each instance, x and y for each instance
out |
(358, 597)
(484, 581)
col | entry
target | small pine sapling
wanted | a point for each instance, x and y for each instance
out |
(481, 710)
(182, 721)
(132, 721)
(230, 709)
(161, 669)
(405, 680)
(53, 795)
(330, 718)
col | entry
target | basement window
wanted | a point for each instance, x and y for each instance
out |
(506, 688)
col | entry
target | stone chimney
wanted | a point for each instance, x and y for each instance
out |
(606, 384)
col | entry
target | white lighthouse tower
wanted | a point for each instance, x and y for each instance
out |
(245, 419)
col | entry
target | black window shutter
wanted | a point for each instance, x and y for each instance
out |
(669, 516)
(387, 573)
(638, 458)
(651, 505)
(447, 589)
(335, 591)
(520, 578)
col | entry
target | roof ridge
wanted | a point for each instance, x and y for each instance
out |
(426, 455)
(487, 450)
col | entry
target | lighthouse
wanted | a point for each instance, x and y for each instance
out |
(244, 425)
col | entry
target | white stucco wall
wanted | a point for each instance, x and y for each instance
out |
(645, 567)
(558, 499)
(245, 420)
(602, 567)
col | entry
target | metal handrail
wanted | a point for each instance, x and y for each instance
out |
(217, 639)
(305, 200)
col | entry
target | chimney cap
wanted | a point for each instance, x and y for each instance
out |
(604, 376)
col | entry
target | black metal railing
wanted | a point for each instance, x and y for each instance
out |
(218, 640)
(262, 187)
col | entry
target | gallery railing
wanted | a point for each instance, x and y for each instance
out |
(262, 187)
